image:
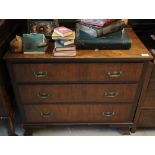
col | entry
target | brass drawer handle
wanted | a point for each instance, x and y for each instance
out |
(46, 114)
(40, 74)
(43, 95)
(111, 94)
(108, 114)
(114, 74)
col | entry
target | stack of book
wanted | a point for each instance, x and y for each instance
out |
(100, 27)
(102, 34)
(64, 42)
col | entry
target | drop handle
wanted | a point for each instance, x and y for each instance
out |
(46, 114)
(43, 95)
(111, 94)
(108, 114)
(40, 74)
(114, 74)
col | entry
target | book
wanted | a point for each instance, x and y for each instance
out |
(65, 42)
(116, 40)
(64, 53)
(114, 27)
(34, 43)
(100, 31)
(98, 22)
(55, 36)
(90, 29)
(63, 31)
(59, 47)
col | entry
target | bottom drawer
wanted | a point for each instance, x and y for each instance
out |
(149, 99)
(77, 113)
(147, 118)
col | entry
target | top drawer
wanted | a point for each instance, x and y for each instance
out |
(52, 72)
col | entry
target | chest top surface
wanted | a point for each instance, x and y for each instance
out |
(137, 52)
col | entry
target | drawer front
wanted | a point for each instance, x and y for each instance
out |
(147, 118)
(78, 113)
(77, 72)
(78, 93)
(151, 85)
(149, 100)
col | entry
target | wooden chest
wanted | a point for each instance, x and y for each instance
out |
(95, 87)
(145, 115)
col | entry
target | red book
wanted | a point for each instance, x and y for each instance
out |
(63, 31)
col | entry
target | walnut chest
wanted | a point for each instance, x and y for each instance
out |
(95, 87)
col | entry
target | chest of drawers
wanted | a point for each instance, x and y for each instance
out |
(145, 113)
(95, 87)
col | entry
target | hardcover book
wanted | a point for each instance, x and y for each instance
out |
(59, 47)
(100, 31)
(55, 36)
(63, 31)
(65, 42)
(114, 27)
(64, 53)
(117, 40)
(91, 30)
(34, 43)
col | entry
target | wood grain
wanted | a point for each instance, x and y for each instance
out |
(71, 72)
(78, 85)
(147, 118)
(78, 113)
(77, 93)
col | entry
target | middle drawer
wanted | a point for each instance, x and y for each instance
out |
(77, 93)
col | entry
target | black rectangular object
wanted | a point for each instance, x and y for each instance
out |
(117, 40)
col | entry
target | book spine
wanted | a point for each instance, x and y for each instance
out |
(106, 46)
(59, 49)
(61, 42)
(64, 55)
(117, 26)
(57, 32)
(66, 43)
